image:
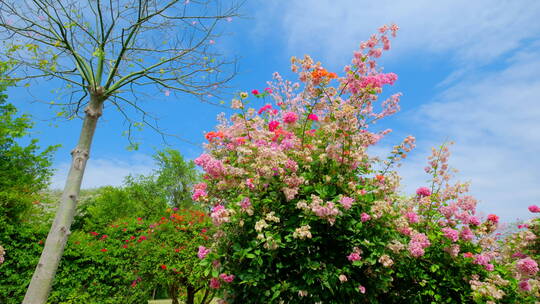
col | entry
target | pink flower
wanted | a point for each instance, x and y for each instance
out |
(346, 202)
(342, 278)
(255, 92)
(417, 244)
(466, 234)
(493, 218)
(473, 220)
(273, 125)
(519, 255)
(250, 184)
(534, 209)
(290, 117)
(246, 203)
(198, 194)
(524, 285)
(527, 266)
(313, 117)
(362, 289)
(203, 252)
(423, 191)
(412, 217)
(268, 90)
(451, 234)
(227, 278)
(364, 217)
(354, 256)
(214, 283)
(264, 108)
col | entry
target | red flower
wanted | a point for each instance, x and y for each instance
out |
(468, 254)
(163, 267)
(104, 236)
(380, 178)
(103, 250)
(211, 135)
(125, 246)
(268, 90)
(94, 233)
(493, 218)
(255, 92)
(264, 108)
(272, 126)
(139, 219)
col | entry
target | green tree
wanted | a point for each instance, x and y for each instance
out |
(104, 51)
(24, 169)
(176, 177)
(24, 173)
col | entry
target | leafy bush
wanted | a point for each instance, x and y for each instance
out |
(125, 262)
(307, 216)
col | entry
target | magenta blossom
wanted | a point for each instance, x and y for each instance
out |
(423, 191)
(534, 209)
(255, 92)
(313, 117)
(273, 125)
(290, 117)
(264, 108)
(364, 217)
(227, 278)
(355, 256)
(214, 283)
(203, 252)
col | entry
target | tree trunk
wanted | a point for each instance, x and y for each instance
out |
(190, 295)
(43, 277)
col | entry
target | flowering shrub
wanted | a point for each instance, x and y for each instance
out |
(305, 215)
(127, 261)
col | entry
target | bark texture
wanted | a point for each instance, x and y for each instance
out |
(42, 280)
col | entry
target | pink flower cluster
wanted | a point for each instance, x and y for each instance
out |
(290, 117)
(346, 202)
(227, 278)
(364, 217)
(484, 260)
(199, 191)
(412, 217)
(219, 215)
(203, 252)
(327, 211)
(210, 165)
(451, 234)
(354, 256)
(423, 191)
(527, 266)
(534, 209)
(417, 244)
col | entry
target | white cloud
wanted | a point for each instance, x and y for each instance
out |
(105, 171)
(494, 118)
(473, 31)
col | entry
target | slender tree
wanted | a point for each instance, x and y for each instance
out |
(107, 52)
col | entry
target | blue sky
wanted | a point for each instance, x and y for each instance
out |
(468, 71)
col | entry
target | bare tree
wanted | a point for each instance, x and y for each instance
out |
(108, 52)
